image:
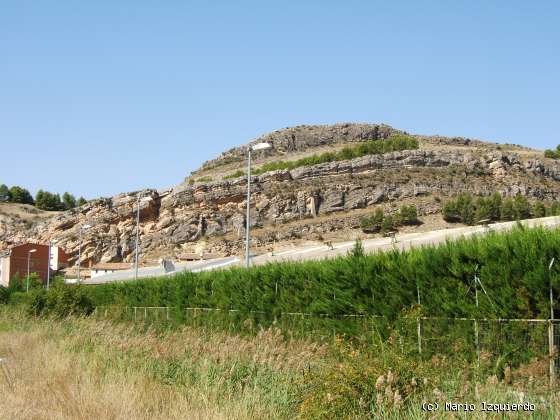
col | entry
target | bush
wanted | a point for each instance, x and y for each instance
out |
(4, 295)
(357, 250)
(539, 210)
(388, 224)
(236, 174)
(372, 223)
(408, 215)
(365, 382)
(63, 300)
(507, 211)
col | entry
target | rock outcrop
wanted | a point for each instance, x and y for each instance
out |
(212, 214)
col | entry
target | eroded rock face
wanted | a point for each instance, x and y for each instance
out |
(304, 137)
(184, 215)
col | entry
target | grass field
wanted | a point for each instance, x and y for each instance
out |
(82, 368)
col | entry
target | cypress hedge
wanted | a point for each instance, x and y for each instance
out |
(512, 267)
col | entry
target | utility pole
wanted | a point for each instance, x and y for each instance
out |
(82, 228)
(139, 200)
(248, 217)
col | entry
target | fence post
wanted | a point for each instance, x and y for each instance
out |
(167, 313)
(419, 332)
(476, 344)
(145, 313)
(551, 352)
(135, 308)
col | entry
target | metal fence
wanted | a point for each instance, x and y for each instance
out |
(483, 343)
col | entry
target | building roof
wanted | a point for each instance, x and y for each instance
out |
(112, 266)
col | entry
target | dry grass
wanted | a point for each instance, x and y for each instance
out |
(89, 369)
(83, 369)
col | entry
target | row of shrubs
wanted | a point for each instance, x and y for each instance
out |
(60, 300)
(470, 210)
(395, 142)
(380, 222)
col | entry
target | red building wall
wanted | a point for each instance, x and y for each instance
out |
(38, 262)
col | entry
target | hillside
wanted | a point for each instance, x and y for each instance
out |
(16, 219)
(314, 202)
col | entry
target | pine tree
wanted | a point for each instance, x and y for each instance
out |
(495, 206)
(45, 200)
(20, 195)
(81, 201)
(539, 209)
(483, 209)
(5, 195)
(450, 213)
(507, 212)
(521, 207)
(68, 200)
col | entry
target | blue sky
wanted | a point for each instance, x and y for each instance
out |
(103, 97)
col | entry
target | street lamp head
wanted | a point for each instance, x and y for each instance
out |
(551, 263)
(261, 146)
(32, 251)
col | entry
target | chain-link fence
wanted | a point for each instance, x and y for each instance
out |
(482, 343)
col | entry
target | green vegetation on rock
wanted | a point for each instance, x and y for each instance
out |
(44, 200)
(553, 154)
(395, 142)
(379, 222)
(465, 209)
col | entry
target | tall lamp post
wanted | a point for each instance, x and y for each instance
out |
(140, 200)
(258, 146)
(51, 243)
(550, 288)
(82, 229)
(551, 347)
(31, 251)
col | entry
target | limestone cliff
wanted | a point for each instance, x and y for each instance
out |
(328, 197)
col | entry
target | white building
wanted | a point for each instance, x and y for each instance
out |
(106, 268)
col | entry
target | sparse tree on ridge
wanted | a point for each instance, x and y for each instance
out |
(5, 195)
(20, 195)
(68, 200)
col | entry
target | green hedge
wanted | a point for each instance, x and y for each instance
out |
(512, 267)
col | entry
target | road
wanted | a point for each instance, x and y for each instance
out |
(317, 252)
(157, 271)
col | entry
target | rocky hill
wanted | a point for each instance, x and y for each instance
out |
(314, 202)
